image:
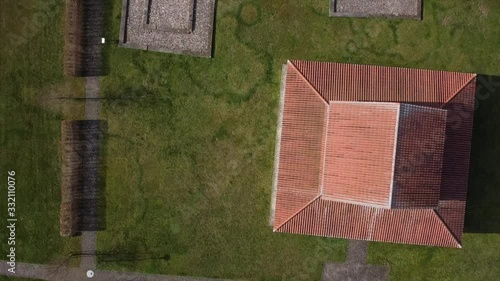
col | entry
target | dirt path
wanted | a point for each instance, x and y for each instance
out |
(357, 252)
(356, 267)
(92, 95)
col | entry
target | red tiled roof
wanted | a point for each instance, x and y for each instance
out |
(354, 82)
(301, 147)
(336, 219)
(419, 157)
(386, 170)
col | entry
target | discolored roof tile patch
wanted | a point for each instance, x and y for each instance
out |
(419, 157)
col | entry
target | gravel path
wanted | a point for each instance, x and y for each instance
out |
(49, 272)
(88, 240)
(356, 267)
(354, 272)
(357, 252)
(88, 244)
(92, 95)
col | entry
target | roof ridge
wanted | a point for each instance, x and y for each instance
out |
(323, 154)
(373, 223)
(394, 155)
(307, 82)
(296, 213)
(459, 90)
(447, 228)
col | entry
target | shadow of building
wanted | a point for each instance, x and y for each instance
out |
(483, 208)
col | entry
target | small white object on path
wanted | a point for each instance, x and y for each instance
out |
(90, 274)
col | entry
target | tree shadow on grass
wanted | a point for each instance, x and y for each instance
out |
(483, 200)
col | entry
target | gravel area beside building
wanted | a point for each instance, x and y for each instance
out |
(354, 272)
(88, 244)
(409, 9)
(181, 27)
(278, 142)
(88, 240)
(92, 95)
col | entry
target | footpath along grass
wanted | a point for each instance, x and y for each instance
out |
(191, 141)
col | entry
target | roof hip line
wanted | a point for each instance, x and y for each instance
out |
(323, 154)
(459, 90)
(447, 228)
(394, 154)
(296, 213)
(307, 82)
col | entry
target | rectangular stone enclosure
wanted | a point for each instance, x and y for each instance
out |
(171, 26)
(405, 9)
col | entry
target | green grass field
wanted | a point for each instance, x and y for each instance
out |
(191, 140)
(30, 75)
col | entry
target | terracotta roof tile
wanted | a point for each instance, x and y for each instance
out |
(355, 82)
(317, 164)
(458, 143)
(336, 219)
(419, 157)
(456, 157)
(452, 213)
(302, 141)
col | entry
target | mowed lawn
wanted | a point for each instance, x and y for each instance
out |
(191, 140)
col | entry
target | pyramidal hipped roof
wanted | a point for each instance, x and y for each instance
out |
(373, 153)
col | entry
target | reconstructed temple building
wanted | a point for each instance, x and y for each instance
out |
(373, 153)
